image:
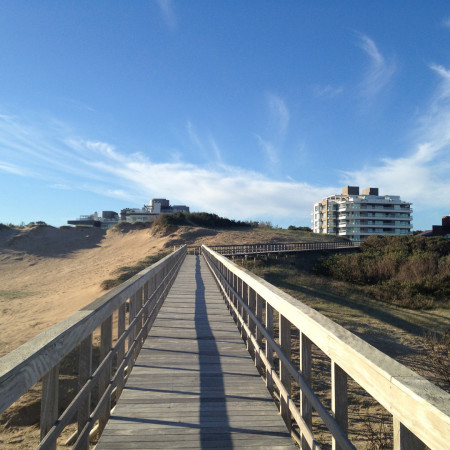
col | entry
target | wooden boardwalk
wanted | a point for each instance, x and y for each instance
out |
(194, 384)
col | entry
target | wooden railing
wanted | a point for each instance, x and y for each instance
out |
(132, 308)
(284, 247)
(420, 410)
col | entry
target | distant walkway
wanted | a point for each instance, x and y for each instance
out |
(194, 385)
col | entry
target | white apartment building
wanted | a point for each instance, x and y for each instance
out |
(358, 216)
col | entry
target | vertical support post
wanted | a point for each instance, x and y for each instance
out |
(49, 401)
(243, 292)
(131, 316)
(84, 372)
(258, 308)
(269, 350)
(305, 369)
(339, 401)
(121, 349)
(404, 439)
(138, 328)
(105, 377)
(285, 344)
(251, 301)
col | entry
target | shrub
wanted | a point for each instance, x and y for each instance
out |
(409, 271)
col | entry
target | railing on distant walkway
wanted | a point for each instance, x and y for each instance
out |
(137, 302)
(280, 247)
(420, 410)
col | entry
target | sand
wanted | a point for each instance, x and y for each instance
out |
(47, 273)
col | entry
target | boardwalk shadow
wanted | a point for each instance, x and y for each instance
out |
(210, 369)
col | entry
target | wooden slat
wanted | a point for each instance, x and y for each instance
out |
(194, 384)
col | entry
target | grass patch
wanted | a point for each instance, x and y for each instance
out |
(13, 294)
(126, 272)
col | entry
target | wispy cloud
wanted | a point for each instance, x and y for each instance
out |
(422, 175)
(276, 129)
(279, 113)
(208, 146)
(167, 10)
(328, 91)
(94, 166)
(379, 71)
(269, 149)
(446, 22)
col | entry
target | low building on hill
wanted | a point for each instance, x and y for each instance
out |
(147, 213)
(357, 216)
(439, 230)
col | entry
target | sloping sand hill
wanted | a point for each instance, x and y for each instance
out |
(48, 273)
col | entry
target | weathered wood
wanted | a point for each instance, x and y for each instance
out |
(259, 311)
(404, 439)
(269, 350)
(49, 402)
(121, 317)
(305, 369)
(84, 372)
(285, 344)
(105, 347)
(23, 367)
(339, 399)
(194, 383)
(395, 387)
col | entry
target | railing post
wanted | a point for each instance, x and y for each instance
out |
(305, 369)
(84, 372)
(121, 350)
(269, 350)
(138, 328)
(259, 304)
(243, 292)
(49, 401)
(404, 439)
(105, 347)
(339, 401)
(251, 300)
(285, 344)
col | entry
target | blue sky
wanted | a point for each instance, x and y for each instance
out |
(248, 109)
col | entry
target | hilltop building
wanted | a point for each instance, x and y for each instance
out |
(439, 230)
(357, 216)
(147, 213)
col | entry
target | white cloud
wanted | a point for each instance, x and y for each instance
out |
(446, 22)
(11, 168)
(379, 72)
(422, 175)
(93, 166)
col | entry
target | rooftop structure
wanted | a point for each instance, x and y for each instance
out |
(358, 216)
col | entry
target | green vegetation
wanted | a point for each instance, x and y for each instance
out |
(126, 272)
(408, 271)
(124, 227)
(13, 294)
(294, 228)
(201, 219)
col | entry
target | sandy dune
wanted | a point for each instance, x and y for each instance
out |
(48, 273)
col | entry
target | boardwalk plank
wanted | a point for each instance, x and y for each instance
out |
(194, 384)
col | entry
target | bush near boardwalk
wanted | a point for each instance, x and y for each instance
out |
(409, 271)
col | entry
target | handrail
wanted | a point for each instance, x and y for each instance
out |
(280, 247)
(420, 410)
(143, 294)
